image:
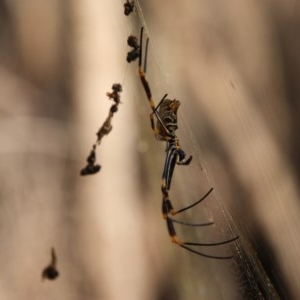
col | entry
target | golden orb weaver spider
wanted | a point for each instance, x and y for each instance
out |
(164, 130)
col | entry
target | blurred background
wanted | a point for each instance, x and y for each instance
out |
(234, 67)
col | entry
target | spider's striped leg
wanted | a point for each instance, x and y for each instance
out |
(142, 72)
(167, 208)
(146, 86)
(167, 136)
(170, 163)
(175, 212)
(185, 245)
(182, 160)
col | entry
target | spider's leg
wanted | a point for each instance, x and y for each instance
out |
(192, 224)
(170, 163)
(206, 255)
(173, 212)
(142, 73)
(146, 86)
(146, 55)
(158, 116)
(167, 207)
(177, 241)
(167, 135)
(141, 46)
(182, 159)
(211, 244)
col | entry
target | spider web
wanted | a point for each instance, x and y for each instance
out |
(245, 274)
(107, 230)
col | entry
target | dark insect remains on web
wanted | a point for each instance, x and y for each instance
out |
(128, 7)
(132, 42)
(50, 272)
(92, 166)
(164, 130)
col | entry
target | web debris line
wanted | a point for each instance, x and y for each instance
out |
(92, 167)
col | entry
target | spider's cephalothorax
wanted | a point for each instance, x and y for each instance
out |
(167, 112)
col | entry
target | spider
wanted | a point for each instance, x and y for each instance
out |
(164, 130)
(128, 7)
(166, 113)
(50, 272)
(91, 167)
